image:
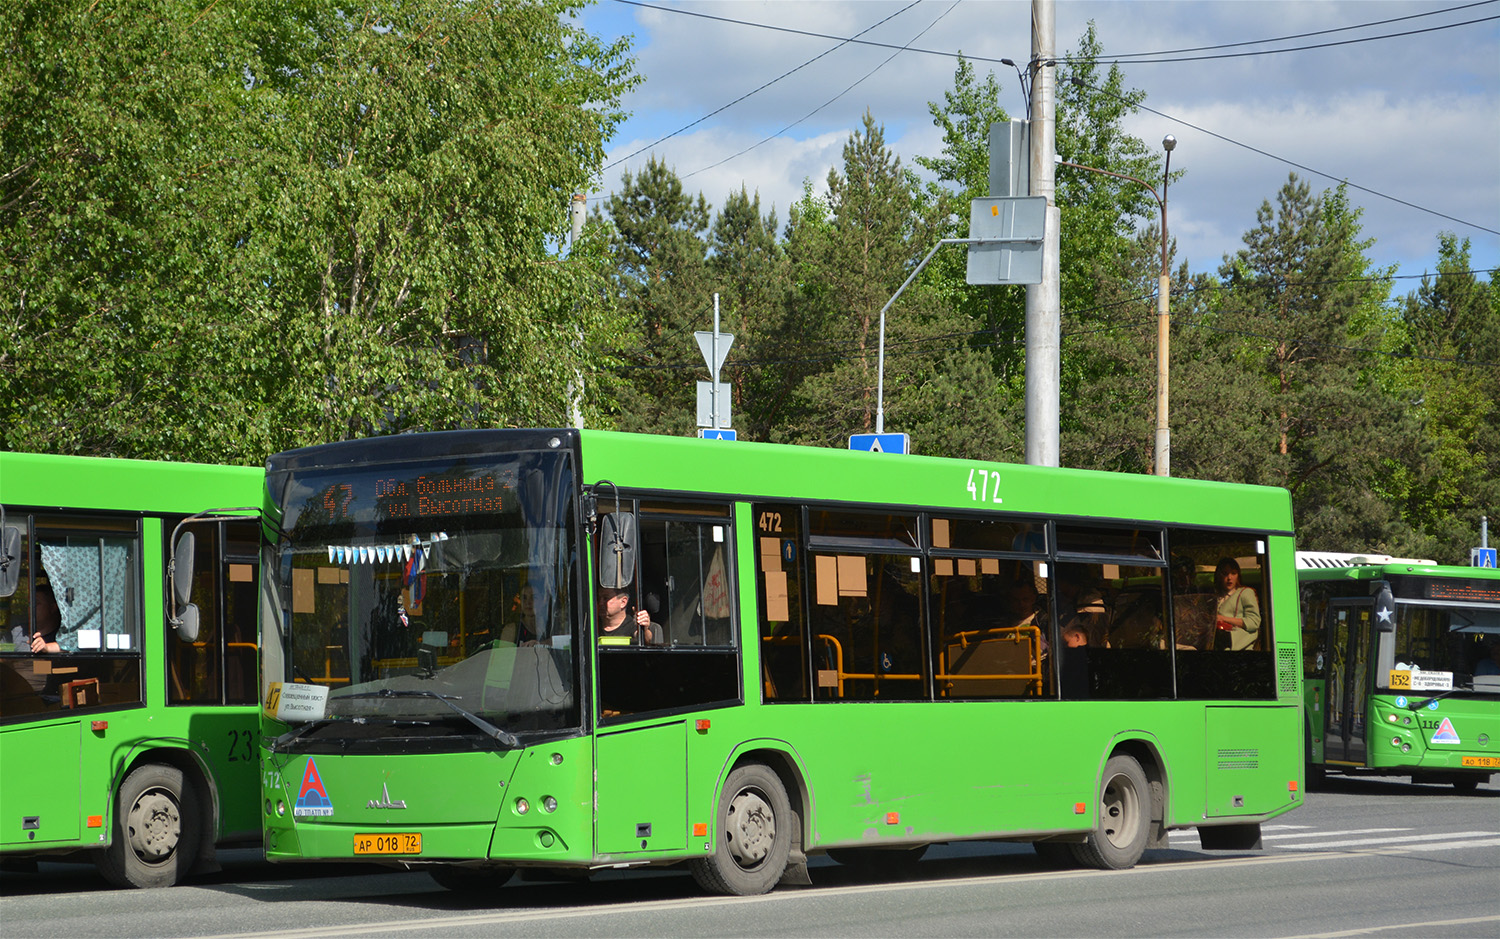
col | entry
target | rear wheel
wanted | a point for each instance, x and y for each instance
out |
(755, 837)
(156, 829)
(1124, 822)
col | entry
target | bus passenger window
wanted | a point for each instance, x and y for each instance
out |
(1221, 621)
(79, 590)
(1112, 623)
(778, 567)
(990, 621)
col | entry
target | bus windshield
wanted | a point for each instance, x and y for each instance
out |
(433, 599)
(1448, 625)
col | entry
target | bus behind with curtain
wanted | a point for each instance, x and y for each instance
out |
(128, 709)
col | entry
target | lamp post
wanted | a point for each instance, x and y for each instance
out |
(1162, 451)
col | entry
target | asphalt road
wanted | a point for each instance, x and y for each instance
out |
(1362, 858)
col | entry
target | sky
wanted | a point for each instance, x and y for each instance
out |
(1411, 121)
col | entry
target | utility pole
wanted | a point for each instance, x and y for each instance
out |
(577, 209)
(1044, 300)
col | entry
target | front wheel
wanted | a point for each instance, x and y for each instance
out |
(1124, 822)
(156, 829)
(755, 838)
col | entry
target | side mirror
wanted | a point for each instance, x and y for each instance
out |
(10, 560)
(182, 568)
(186, 624)
(617, 549)
(1385, 610)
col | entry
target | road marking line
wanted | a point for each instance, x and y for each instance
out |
(1421, 928)
(1397, 841)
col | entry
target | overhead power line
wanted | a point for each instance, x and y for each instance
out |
(998, 61)
(1281, 159)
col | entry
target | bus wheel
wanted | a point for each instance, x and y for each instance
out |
(882, 863)
(1466, 784)
(156, 829)
(755, 841)
(1124, 822)
(471, 879)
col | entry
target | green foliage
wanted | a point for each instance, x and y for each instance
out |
(1448, 337)
(877, 228)
(663, 287)
(1305, 302)
(243, 228)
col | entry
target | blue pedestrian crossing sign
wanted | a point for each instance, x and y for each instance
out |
(716, 433)
(880, 443)
(1482, 557)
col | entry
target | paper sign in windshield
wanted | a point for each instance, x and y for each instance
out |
(297, 703)
(1418, 680)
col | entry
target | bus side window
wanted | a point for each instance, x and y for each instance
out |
(778, 565)
(683, 581)
(90, 567)
(1214, 661)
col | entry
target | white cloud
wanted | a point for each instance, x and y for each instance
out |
(1416, 117)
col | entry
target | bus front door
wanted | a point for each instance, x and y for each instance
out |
(1348, 681)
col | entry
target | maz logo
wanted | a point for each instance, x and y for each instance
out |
(385, 801)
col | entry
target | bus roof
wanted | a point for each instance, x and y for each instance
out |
(100, 483)
(778, 471)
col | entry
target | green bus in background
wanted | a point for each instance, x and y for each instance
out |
(1401, 668)
(558, 651)
(128, 714)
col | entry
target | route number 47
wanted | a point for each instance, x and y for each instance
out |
(984, 486)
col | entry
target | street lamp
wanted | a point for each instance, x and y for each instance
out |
(1162, 451)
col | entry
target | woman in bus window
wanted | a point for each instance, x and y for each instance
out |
(1239, 609)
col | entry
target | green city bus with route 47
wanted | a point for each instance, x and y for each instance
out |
(562, 651)
(1401, 668)
(129, 711)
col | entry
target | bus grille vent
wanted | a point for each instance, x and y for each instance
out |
(1286, 670)
(1239, 759)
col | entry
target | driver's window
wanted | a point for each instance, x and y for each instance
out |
(667, 639)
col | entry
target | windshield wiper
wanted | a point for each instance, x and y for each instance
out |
(1419, 705)
(277, 742)
(490, 730)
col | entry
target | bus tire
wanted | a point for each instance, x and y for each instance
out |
(461, 879)
(156, 829)
(1124, 820)
(755, 837)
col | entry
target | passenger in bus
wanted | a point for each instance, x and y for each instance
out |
(1238, 608)
(48, 619)
(615, 618)
(1074, 637)
(1021, 603)
(526, 627)
(1081, 602)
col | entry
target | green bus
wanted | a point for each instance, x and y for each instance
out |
(1401, 668)
(559, 651)
(128, 713)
